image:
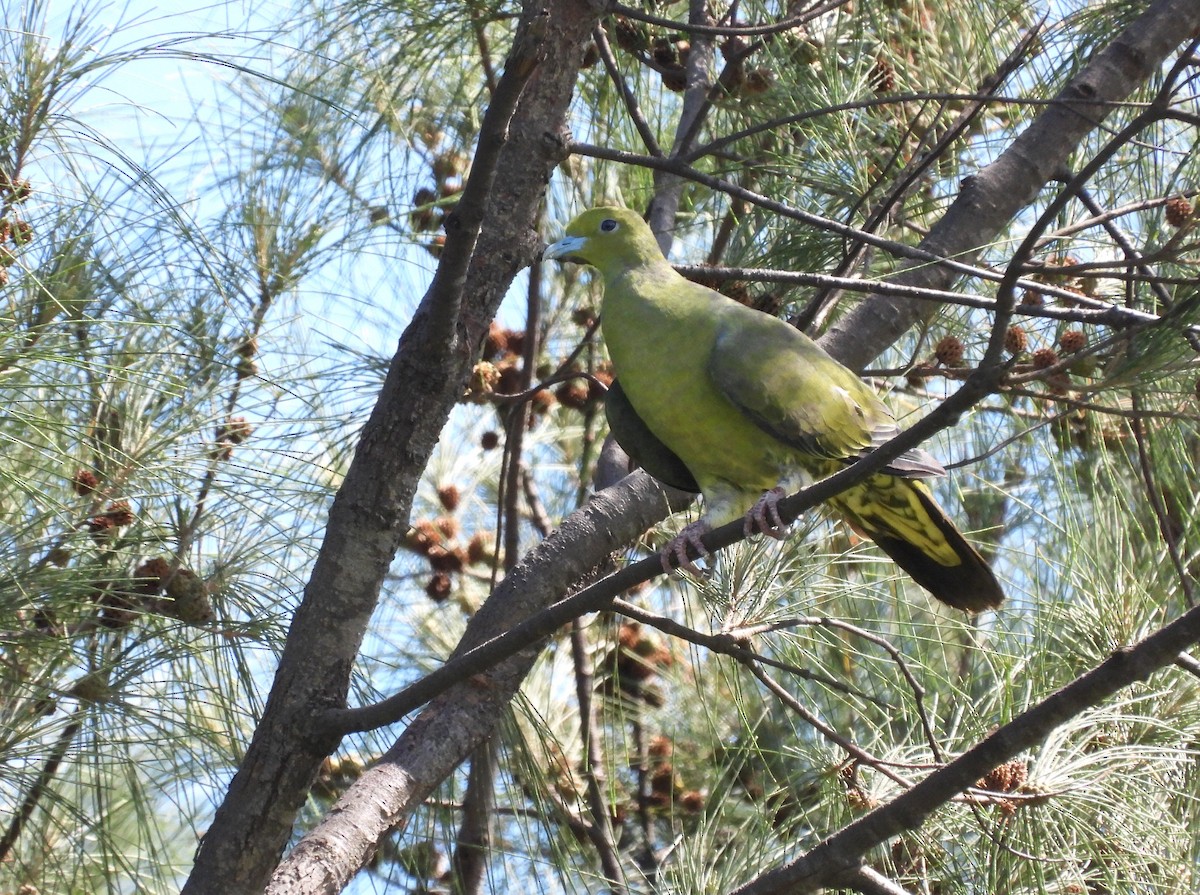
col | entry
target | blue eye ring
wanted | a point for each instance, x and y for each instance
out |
(608, 225)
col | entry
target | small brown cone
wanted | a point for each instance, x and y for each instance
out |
(1071, 341)
(949, 351)
(1015, 340)
(1177, 211)
(1045, 357)
(449, 497)
(84, 482)
(189, 600)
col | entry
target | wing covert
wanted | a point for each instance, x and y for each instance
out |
(789, 387)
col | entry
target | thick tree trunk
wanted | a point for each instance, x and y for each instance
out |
(489, 239)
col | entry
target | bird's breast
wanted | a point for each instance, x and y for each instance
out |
(660, 355)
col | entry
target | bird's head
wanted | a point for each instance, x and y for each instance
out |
(609, 239)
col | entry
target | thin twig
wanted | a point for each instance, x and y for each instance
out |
(1103, 409)
(533, 500)
(21, 816)
(1131, 252)
(1188, 664)
(734, 644)
(600, 830)
(1093, 311)
(870, 882)
(1154, 496)
(821, 727)
(1099, 220)
(485, 50)
(632, 108)
(898, 658)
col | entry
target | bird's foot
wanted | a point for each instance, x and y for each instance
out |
(677, 548)
(764, 518)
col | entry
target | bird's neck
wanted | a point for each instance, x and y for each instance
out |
(642, 277)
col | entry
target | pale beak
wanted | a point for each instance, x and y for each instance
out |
(564, 249)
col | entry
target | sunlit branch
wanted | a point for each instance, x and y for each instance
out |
(1101, 313)
(898, 249)
(809, 718)
(632, 108)
(729, 30)
(736, 645)
(823, 863)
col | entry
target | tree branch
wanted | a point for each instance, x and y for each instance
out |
(492, 238)
(843, 851)
(1092, 312)
(992, 198)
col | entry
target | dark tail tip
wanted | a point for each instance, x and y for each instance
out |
(970, 586)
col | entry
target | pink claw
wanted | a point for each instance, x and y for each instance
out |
(677, 549)
(764, 516)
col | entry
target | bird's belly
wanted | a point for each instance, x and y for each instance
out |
(722, 448)
(667, 382)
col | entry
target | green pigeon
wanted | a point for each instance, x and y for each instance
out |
(714, 396)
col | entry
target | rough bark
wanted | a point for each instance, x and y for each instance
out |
(454, 723)
(993, 197)
(492, 236)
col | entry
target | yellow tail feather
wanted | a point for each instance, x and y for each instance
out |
(901, 516)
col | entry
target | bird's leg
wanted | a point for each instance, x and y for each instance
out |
(677, 548)
(764, 516)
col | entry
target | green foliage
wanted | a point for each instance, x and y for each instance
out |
(189, 341)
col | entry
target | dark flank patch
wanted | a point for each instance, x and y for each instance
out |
(642, 445)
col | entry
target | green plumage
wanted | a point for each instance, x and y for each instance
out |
(642, 445)
(736, 403)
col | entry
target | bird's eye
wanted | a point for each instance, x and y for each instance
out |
(608, 225)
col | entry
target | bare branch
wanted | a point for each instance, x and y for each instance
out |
(1093, 312)
(850, 748)
(631, 104)
(990, 199)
